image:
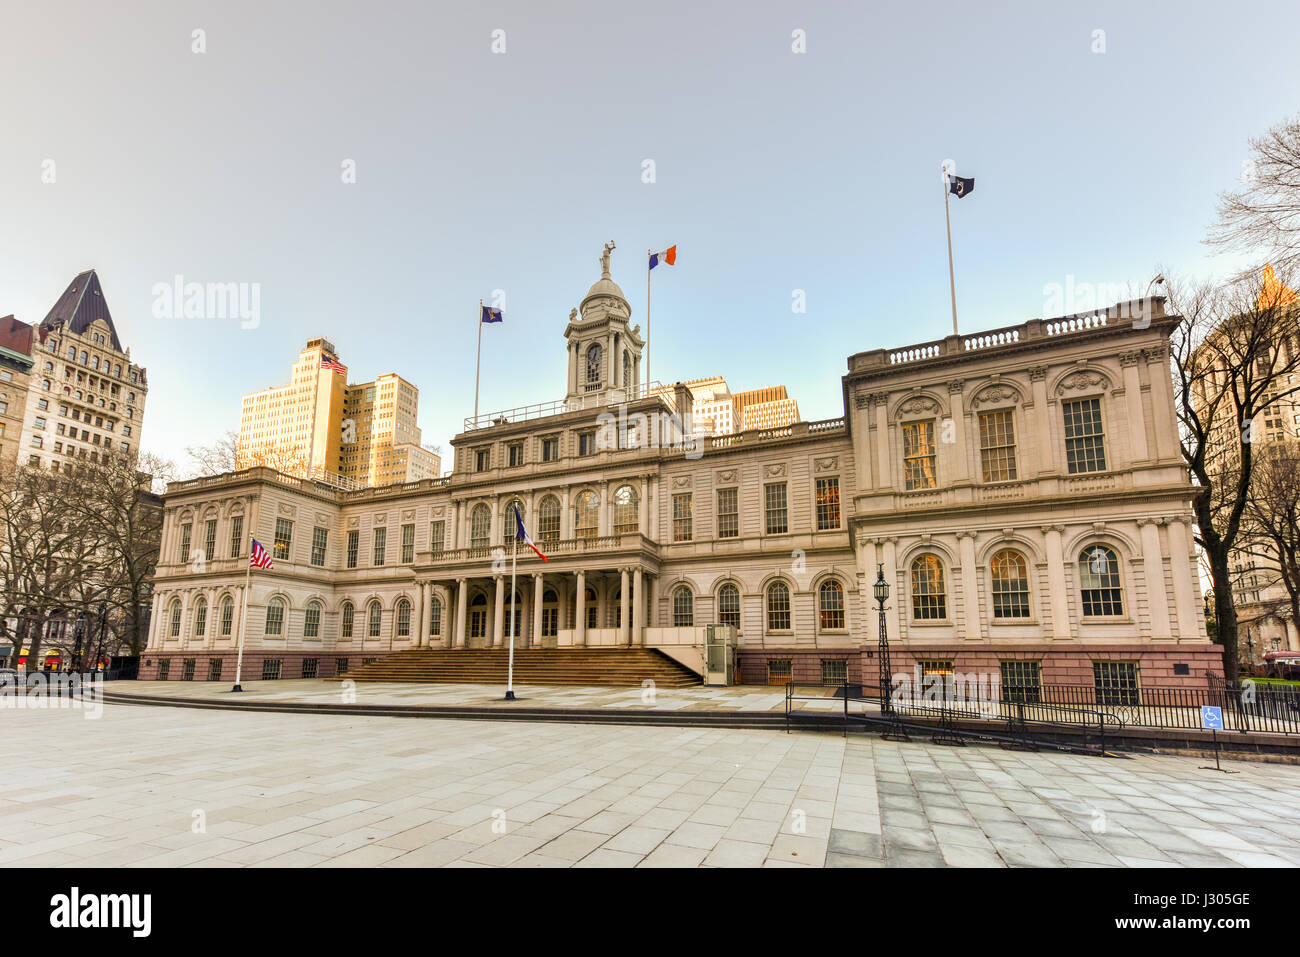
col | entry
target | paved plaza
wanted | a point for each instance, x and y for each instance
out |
(159, 786)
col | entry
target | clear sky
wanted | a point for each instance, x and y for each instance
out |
(476, 171)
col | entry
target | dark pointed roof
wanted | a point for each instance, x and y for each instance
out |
(81, 304)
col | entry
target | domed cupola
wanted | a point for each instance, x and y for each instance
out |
(604, 352)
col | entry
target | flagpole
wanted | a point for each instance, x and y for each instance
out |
(648, 254)
(243, 621)
(510, 669)
(478, 357)
(952, 282)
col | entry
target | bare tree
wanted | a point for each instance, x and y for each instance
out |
(1232, 357)
(215, 459)
(1263, 216)
(1271, 531)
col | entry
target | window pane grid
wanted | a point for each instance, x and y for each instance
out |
(928, 599)
(828, 504)
(1100, 589)
(918, 455)
(775, 510)
(1010, 585)
(998, 445)
(682, 529)
(778, 607)
(831, 605)
(728, 513)
(1084, 442)
(729, 606)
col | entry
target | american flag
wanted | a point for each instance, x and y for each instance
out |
(260, 557)
(335, 366)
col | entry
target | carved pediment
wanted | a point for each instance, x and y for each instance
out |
(828, 464)
(1083, 381)
(996, 394)
(726, 477)
(774, 471)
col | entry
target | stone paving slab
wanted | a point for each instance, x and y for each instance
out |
(209, 788)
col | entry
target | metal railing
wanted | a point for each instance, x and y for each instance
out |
(591, 400)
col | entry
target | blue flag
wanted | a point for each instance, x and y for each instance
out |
(491, 315)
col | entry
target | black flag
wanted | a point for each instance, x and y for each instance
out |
(960, 186)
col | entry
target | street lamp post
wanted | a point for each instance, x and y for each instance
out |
(894, 727)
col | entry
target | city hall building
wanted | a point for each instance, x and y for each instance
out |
(1021, 489)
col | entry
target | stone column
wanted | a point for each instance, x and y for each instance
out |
(536, 637)
(1137, 420)
(643, 508)
(638, 609)
(970, 586)
(899, 594)
(1041, 442)
(1184, 575)
(422, 623)
(1056, 583)
(580, 612)
(885, 464)
(960, 466)
(498, 612)
(624, 610)
(462, 603)
(1162, 404)
(1153, 570)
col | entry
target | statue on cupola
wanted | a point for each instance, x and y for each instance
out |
(604, 353)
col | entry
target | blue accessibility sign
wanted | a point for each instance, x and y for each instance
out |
(1211, 717)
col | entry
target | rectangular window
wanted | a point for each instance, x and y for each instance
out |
(271, 669)
(1085, 446)
(283, 537)
(1116, 682)
(586, 443)
(340, 666)
(998, 445)
(918, 455)
(835, 671)
(408, 544)
(210, 540)
(515, 453)
(1022, 681)
(354, 544)
(482, 458)
(164, 668)
(682, 530)
(776, 514)
(437, 537)
(550, 449)
(380, 539)
(214, 669)
(828, 504)
(319, 538)
(187, 669)
(184, 555)
(310, 666)
(779, 671)
(728, 513)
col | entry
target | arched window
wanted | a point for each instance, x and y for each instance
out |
(311, 623)
(778, 606)
(929, 601)
(435, 616)
(830, 604)
(1099, 582)
(591, 607)
(1010, 576)
(729, 606)
(275, 616)
(349, 613)
(593, 363)
(403, 618)
(626, 510)
(175, 629)
(508, 521)
(548, 519)
(375, 614)
(683, 607)
(586, 515)
(201, 617)
(480, 526)
(227, 616)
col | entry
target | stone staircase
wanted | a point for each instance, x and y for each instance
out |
(612, 667)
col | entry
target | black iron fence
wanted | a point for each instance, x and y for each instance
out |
(1246, 706)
